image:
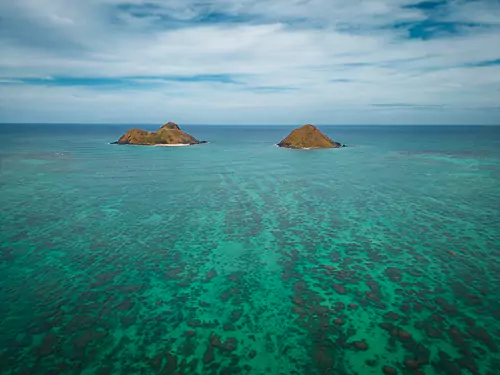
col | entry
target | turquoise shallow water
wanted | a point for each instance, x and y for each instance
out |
(237, 257)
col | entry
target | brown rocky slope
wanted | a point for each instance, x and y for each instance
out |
(168, 134)
(308, 136)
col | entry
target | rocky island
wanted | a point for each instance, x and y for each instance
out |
(306, 137)
(168, 135)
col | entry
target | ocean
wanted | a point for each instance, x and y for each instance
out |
(238, 257)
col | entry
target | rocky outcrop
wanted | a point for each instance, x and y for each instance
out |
(171, 126)
(168, 134)
(308, 136)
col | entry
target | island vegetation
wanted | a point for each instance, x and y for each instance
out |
(308, 137)
(168, 135)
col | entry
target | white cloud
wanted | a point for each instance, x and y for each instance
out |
(318, 61)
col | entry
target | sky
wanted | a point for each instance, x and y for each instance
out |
(250, 61)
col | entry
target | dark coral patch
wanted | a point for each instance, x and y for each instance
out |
(360, 345)
(388, 370)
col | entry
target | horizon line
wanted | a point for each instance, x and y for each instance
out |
(206, 124)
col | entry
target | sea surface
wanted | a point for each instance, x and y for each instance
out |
(238, 257)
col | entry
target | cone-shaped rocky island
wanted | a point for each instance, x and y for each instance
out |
(168, 135)
(308, 136)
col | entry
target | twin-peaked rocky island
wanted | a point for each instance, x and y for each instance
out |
(305, 137)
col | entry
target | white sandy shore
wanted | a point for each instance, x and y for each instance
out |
(173, 145)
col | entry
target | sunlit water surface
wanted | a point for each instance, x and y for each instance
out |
(237, 257)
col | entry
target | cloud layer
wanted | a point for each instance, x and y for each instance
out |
(250, 61)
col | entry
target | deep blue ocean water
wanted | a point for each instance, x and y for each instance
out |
(238, 257)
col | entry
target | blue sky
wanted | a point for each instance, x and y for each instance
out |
(250, 61)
